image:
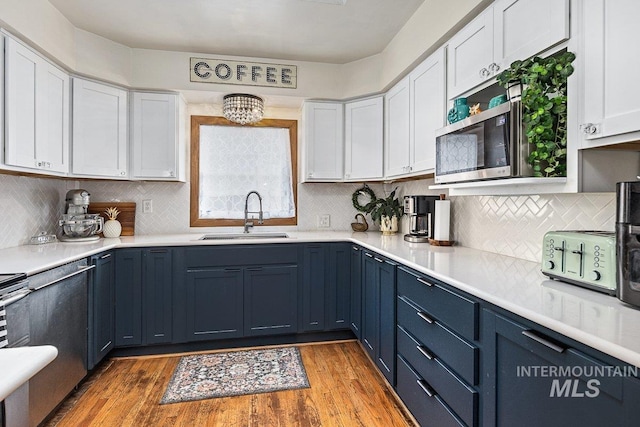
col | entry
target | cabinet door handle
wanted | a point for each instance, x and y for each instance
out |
(424, 282)
(254, 269)
(425, 352)
(425, 317)
(355, 248)
(484, 73)
(589, 128)
(493, 67)
(378, 259)
(425, 387)
(105, 256)
(543, 341)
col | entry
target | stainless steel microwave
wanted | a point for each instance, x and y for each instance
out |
(488, 145)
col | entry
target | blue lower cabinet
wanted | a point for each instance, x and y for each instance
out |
(355, 301)
(128, 290)
(525, 386)
(379, 312)
(338, 287)
(313, 287)
(215, 304)
(270, 300)
(157, 304)
(422, 400)
(101, 308)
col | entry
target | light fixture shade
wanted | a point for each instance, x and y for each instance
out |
(243, 108)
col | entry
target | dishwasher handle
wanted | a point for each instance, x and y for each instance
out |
(15, 297)
(68, 276)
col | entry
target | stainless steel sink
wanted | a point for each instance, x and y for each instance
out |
(241, 236)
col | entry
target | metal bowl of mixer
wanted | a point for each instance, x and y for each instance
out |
(81, 225)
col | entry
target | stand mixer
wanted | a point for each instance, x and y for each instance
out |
(77, 225)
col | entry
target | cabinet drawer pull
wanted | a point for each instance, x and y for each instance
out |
(425, 317)
(158, 251)
(232, 270)
(425, 352)
(355, 248)
(254, 269)
(105, 256)
(424, 282)
(378, 259)
(428, 390)
(543, 341)
(368, 254)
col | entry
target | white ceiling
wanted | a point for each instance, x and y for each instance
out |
(301, 30)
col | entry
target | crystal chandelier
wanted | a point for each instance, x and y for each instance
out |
(243, 108)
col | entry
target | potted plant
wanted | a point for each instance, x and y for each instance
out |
(543, 83)
(387, 211)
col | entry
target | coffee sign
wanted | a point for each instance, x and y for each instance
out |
(243, 73)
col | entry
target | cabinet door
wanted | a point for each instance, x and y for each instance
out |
(356, 291)
(512, 353)
(386, 357)
(154, 136)
(270, 300)
(338, 286)
(99, 130)
(36, 111)
(324, 141)
(214, 306)
(523, 28)
(427, 110)
(396, 120)
(363, 139)
(128, 290)
(470, 55)
(370, 305)
(157, 295)
(313, 288)
(101, 309)
(610, 88)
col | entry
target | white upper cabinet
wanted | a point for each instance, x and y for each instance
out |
(470, 55)
(427, 111)
(100, 128)
(610, 69)
(509, 30)
(396, 121)
(324, 141)
(156, 148)
(36, 111)
(523, 28)
(363, 139)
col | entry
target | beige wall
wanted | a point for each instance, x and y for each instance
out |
(85, 53)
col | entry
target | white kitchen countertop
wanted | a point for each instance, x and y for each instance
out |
(17, 365)
(597, 320)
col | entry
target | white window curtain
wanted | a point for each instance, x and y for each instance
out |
(235, 160)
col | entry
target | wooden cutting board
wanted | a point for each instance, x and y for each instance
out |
(127, 216)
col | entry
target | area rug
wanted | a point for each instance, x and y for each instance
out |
(205, 376)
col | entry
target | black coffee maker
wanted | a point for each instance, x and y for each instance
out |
(628, 241)
(420, 210)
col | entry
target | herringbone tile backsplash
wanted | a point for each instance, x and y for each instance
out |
(511, 225)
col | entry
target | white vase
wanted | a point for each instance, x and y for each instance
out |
(388, 225)
(112, 228)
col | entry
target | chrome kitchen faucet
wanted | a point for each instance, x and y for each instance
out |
(248, 223)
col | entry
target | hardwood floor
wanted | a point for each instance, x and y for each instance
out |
(345, 390)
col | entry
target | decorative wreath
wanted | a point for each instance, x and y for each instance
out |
(366, 191)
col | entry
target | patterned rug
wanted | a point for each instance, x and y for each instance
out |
(205, 376)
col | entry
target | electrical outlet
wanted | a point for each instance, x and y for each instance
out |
(147, 206)
(324, 221)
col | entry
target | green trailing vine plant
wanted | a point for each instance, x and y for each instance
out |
(544, 102)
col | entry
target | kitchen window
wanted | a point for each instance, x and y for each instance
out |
(229, 160)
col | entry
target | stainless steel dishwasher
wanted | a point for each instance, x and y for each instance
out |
(58, 317)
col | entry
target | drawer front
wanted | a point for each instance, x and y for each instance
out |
(458, 396)
(232, 255)
(452, 309)
(414, 392)
(458, 354)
